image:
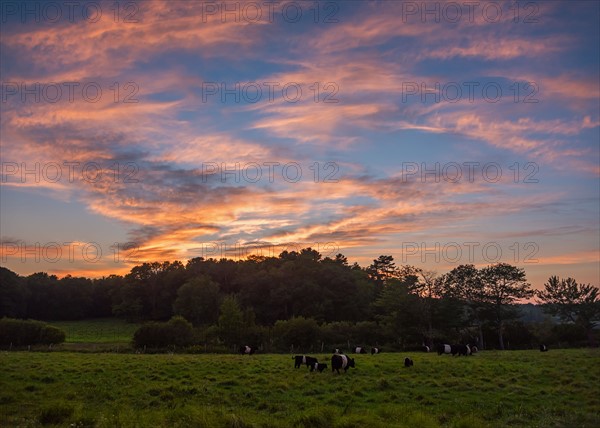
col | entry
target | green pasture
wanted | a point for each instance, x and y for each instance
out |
(100, 330)
(491, 389)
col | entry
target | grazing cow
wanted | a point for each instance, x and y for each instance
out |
(408, 362)
(444, 349)
(303, 359)
(319, 367)
(247, 350)
(454, 349)
(543, 348)
(461, 350)
(375, 351)
(341, 361)
(360, 350)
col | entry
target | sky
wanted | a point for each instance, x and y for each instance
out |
(441, 133)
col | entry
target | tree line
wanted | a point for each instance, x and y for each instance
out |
(300, 299)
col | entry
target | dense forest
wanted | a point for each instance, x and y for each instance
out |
(300, 299)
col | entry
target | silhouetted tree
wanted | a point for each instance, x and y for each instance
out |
(399, 310)
(198, 301)
(12, 298)
(463, 284)
(572, 302)
(503, 285)
(231, 322)
(382, 269)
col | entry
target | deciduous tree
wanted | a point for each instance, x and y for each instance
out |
(198, 301)
(503, 285)
(572, 302)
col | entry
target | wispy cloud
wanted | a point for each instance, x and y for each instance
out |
(175, 143)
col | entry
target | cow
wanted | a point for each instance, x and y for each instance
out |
(318, 366)
(425, 348)
(247, 350)
(444, 349)
(461, 350)
(454, 349)
(543, 348)
(303, 359)
(360, 350)
(474, 349)
(341, 361)
(375, 351)
(408, 362)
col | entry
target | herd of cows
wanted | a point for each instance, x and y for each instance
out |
(339, 360)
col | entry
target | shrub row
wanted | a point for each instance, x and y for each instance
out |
(301, 334)
(176, 332)
(28, 332)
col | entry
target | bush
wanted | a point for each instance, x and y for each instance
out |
(28, 332)
(338, 333)
(344, 334)
(570, 335)
(300, 333)
(152, 335)
(518, 335)
(176, 332)
(52, 335)
(181, 331)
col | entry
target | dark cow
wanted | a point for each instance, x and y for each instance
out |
(461, 350)
(454, 349)
(425, 348)
(341, 361)
(319, 367)
(375, 351)
(474, 349)
(543, 348)
(247, 350)
(360, 350)
(408, 362)
(303, 359)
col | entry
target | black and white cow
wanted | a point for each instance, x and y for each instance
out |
(341, 361)
(303, 359)
(454, 349)
(247, 350)
(360, 350)
(375, 351)
(425, 348)
(474, 349)
(319, 367)
(461, 350)
(444, 349)
(408, 362)
(543, 348)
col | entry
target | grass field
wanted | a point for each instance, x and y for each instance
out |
(492, 389)
(101, 330)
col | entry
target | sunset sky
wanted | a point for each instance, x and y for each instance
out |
(179, 129)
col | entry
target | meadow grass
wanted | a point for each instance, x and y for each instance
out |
(99, 330)
(492, 389)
